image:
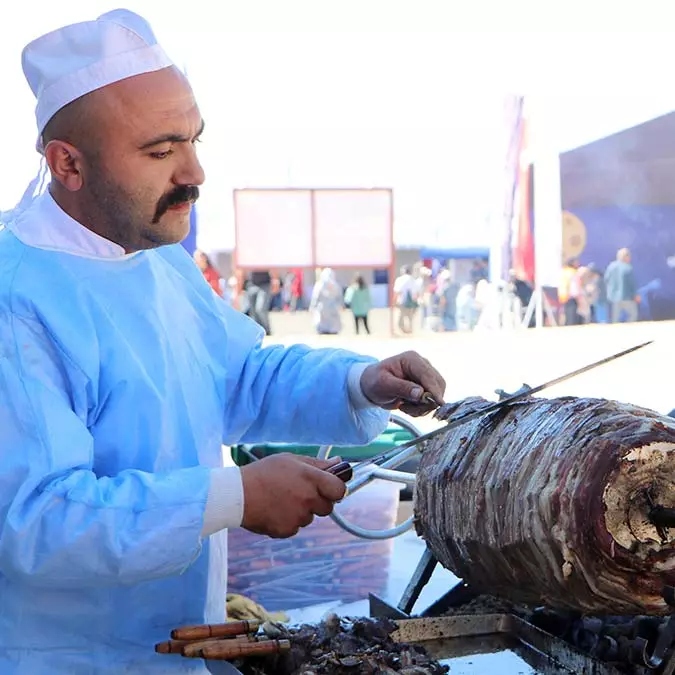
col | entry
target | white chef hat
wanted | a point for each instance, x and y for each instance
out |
(75, 60)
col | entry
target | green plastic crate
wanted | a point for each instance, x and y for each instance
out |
(390, 438)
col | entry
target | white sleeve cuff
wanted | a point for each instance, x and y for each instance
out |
(356, 395)
(225, 502)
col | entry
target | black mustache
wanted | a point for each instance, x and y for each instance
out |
(182, 194)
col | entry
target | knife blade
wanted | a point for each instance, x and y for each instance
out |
(463, 419)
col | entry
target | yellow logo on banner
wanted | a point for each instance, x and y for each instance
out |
(573, 236)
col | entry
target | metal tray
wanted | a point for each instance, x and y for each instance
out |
(499, 644)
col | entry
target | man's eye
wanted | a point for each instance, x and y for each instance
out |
(160, 155)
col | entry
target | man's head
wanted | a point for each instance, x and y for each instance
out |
(117, 124)
(123, 159)
(623, 255)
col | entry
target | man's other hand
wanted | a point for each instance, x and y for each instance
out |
(283, 493)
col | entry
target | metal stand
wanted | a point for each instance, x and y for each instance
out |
(539, 304)
(457, 595)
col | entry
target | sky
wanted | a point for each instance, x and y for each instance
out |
(400, 94)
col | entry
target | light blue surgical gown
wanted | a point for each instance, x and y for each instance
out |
(119, 381)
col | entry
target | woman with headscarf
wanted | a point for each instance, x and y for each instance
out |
(326, 304)
(447, 290)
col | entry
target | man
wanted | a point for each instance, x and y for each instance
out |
(260, 297)
(621, 288)
(122, 374)
(405, 296)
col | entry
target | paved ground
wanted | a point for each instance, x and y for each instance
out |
(477, 363)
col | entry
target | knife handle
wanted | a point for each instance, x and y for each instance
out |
(428, 398)
(343, 470)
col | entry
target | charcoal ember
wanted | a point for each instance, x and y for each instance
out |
(546, 502)
(347, 646)
(376, 632)
(350, 661)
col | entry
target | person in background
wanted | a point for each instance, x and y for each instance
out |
(466, 311)
(229, 289)
(296, 302)
(286, 282)
(423, 283)
(580, 292)
(357, 298)
(259, 291)
(326, 303)
(209, 271)
(244, 299)
(405, 297)
(621, 287)
(488, 304)
(479, 271)
(597, 294)
(276, 293)
(434, 307)
(647, 294)
(446, 290)
(565, 298)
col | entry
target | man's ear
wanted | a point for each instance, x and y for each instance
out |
(65, 163)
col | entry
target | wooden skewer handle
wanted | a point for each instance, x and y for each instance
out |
(171, 646)
(228, 651)
(189, 648)
(195, 648)
(205, 631)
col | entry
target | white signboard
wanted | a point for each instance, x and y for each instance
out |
(313, 228)
(273, 228)
(353, 228)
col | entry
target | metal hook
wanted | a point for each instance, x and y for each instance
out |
(665, 640)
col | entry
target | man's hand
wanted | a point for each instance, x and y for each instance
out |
(284, 492)
(400, 381)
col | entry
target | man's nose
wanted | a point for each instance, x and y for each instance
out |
(190, 171)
